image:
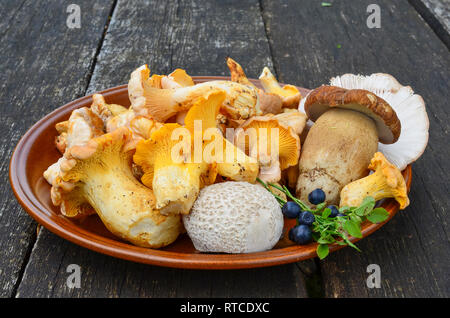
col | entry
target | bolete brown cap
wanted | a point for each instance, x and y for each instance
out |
(325, 97)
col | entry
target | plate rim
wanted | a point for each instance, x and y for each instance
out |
(127, 251)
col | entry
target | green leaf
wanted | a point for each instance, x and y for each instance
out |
(326, 213)
(326, 240)
(322, 251)
(346, 240)
(368, 201)
(378, 215)
(344, 209)
(366, 206)
(326, 4)
(355, 218)
(352, 228)
(320, 206)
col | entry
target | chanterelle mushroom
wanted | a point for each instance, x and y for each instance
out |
(288, 93)
(82, 125)
(410, 109)
(241, 100)
(105, 111)
(269, 103)
(175, 182)
(100, 173)
(276, 146)
(339, 146)
(292, 118)
(386, 182)
(229, 160)
(176, 79)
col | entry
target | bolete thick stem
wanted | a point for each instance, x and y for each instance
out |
(336, 151)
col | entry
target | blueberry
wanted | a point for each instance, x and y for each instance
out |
(300, 234)
(291, 209)
(316, 196)
(334, 211)
(306, 218)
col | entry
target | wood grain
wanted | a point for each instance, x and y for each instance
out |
(43, 65)
(413, 250)
(166, 35)
(194, 35)
(104, 276)
(437, 15)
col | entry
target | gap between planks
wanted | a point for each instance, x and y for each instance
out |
(432, 20)
(34, 238)
(99, 46)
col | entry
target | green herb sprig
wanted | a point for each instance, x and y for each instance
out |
(328, 230)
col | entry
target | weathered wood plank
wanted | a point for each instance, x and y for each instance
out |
(104, 276)
(413, 250)
(196, 36)
(43, 64)
(437, 14)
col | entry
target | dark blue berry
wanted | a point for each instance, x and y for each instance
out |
(334, 211)
(291, 210)
(316, 196)
(300, 234)
(306, 218)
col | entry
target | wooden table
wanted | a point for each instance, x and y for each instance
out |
(45, 64)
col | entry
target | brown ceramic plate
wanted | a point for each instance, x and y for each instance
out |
(36, 151)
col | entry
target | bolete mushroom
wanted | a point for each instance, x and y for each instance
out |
(339, 146)
(101, 178)
(386, 182)
(410, 109)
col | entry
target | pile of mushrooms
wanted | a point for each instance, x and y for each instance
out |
(119, 162)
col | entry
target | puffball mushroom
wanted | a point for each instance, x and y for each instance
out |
(386, 182)
(234, 217)
(410, 109)
(339, 146)
(174, 180)
(102, 179)
(289, 94)
(275, 146)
